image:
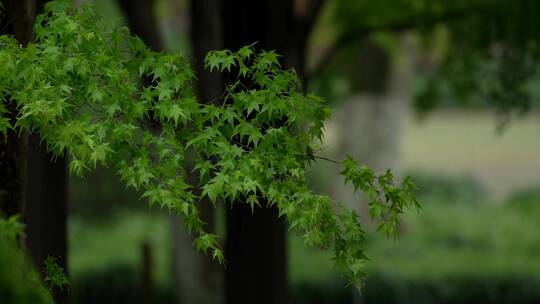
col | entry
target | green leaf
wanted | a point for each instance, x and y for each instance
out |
(54, 274)
(204, 167)
(246, 52)
(4, 127)
(211, 191)
(11, 228)
(77, 167)
(99, 153)
(253, 201)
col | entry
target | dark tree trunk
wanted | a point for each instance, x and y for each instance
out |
(12, 164)
(46, 204)
(17, 21)
(267, 22)
(206, 36)
(142, 21)
(256, 256)
(46, 209)
(41, 199)
(256, 241)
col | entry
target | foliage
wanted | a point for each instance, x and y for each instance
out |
(11, 228)
(527, 200)
(448, 253)
(55, 274)
(454, 253)
(78, 86)
(11, 232)
(477, 52)
(19, 283)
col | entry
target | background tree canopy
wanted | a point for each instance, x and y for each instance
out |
(481, 52)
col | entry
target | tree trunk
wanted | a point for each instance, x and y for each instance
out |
(46, 209)
(197, 278)
(142, 21)
(256, 256)
(205, 34)
(256, 248)
(41, 198)
(17, 21)
(370, 122)
(12, 165)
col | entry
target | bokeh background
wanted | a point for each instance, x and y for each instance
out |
(474, 155)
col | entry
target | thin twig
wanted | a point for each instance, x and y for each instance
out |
(327, 159)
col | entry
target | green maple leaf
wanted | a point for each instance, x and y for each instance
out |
(77, 166)
(253, 105)
(176, 113)
(250, 185)
(212, 62)
(252, 200)
(227, 63)
(246, 52)
(229, 115)
(4, 127)
(55, 274)
(211, 191)
(112, 108)
(204, 168)
(99, 153)
(164, 93)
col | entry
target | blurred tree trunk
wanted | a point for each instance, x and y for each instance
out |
(197, 278)
(370, 123)
(142, 21)
(34, 184)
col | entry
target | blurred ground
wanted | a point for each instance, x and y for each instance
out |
(457, 142)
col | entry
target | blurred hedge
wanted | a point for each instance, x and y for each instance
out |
(435, 188)
(120, 285)
(492, 289)
(116, 284)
